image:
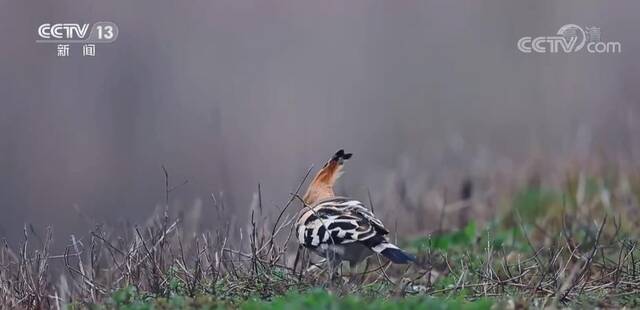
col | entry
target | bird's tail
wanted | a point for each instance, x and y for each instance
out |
(391, 251)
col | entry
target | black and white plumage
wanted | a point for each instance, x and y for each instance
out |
(343, 229)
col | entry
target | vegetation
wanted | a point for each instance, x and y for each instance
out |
(568, 245)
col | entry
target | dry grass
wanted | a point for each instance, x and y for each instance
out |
(575, 246)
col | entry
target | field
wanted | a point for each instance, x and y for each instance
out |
(563, 238)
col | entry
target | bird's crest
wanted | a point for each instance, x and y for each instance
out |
(321, 187)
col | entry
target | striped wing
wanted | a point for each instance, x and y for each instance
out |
(338, 221)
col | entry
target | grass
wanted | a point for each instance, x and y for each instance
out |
(567, 245)
(314, 299)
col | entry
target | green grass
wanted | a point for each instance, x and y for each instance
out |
(320, 299)
(315, 299)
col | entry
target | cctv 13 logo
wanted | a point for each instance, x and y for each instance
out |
(101, 32)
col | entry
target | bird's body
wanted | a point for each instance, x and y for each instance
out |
(339, 228)
(342, 229)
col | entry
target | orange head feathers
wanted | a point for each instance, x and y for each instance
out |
(321, 187)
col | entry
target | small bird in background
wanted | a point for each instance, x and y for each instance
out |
(342, 229)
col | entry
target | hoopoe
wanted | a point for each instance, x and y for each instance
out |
(342, 229)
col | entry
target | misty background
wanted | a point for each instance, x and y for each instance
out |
(229, 94)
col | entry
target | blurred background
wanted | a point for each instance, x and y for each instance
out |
(229, 94)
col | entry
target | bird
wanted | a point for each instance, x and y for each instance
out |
(340, 228)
